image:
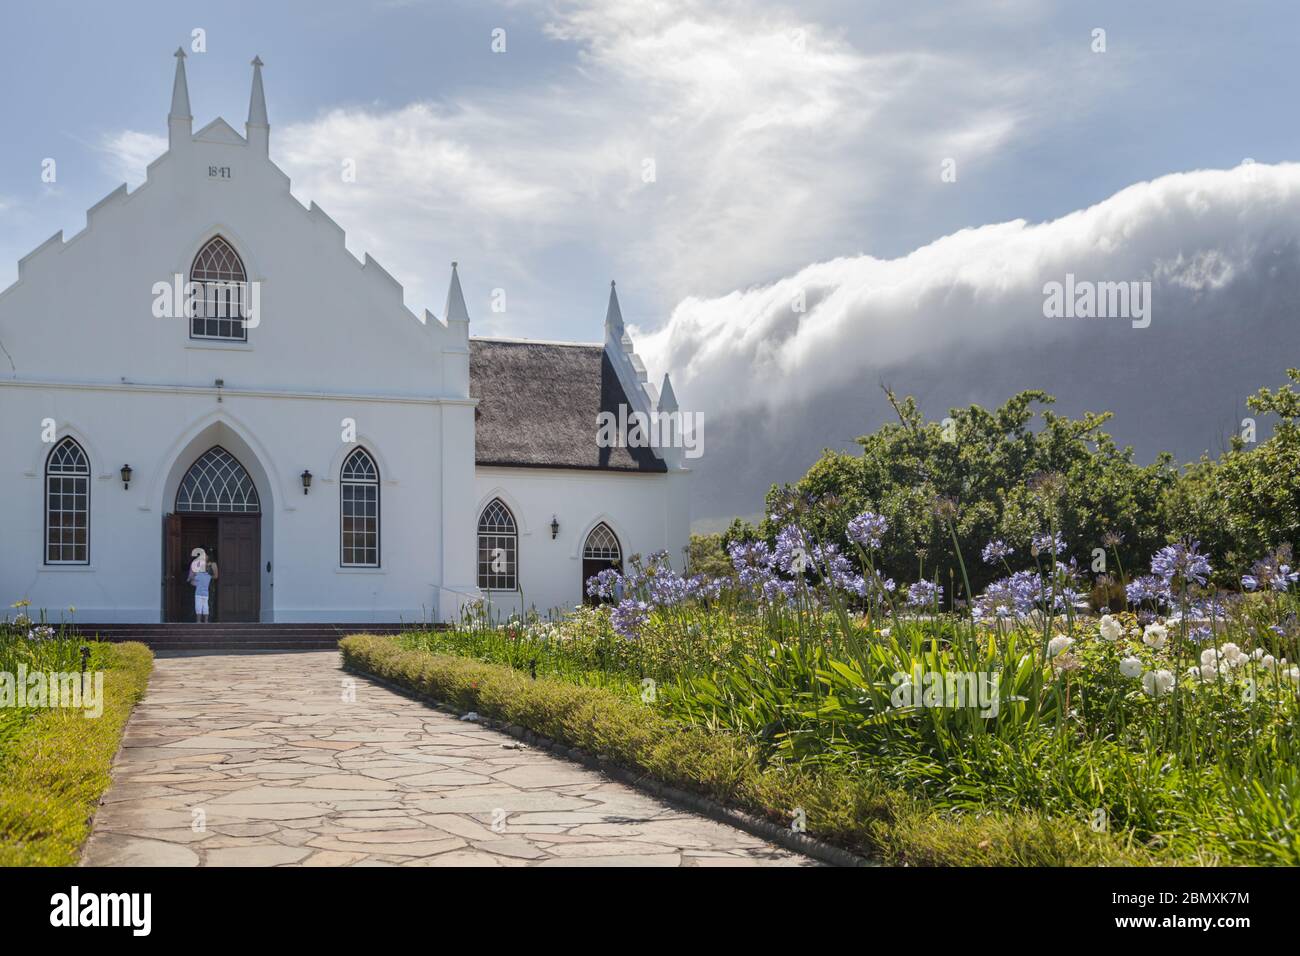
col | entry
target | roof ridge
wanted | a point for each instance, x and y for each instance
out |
(508, 340)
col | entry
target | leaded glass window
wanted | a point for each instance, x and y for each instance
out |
(359, 507)
(602, 545)
(217, 482)
(220, 308)
(67, 504)
(498, 548)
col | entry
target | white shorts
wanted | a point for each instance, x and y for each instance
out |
(200, 604)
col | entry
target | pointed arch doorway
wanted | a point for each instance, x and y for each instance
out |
(217, 509)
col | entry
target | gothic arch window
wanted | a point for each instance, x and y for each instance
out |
(602, 545)
(359, 511)
(498, 548)
(220, 308)
(600, 552)
(217, 482)
(67, 504)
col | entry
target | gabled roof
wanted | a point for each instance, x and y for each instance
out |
(538, 404)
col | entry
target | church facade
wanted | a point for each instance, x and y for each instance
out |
(206, 366)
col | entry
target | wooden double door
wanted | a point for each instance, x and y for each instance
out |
(235, 540)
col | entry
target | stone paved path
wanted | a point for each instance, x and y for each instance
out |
(281, 771)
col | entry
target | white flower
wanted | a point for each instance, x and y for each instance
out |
(884, 632)
(1130, 667)
(1294, 674)
(1233, 655)
(1209, 671)
(1057, 644)
(1257, 653)
(1210, 656)
(1155, 683)
(1269, 661)
(1155, 636)
(1111, 629)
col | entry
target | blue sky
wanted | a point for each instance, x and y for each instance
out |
(787, 141)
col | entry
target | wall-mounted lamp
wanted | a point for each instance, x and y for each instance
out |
(126, 477)
(306, 480)
(555, 527)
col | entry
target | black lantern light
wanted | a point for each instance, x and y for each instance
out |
(306, 480)
(126, 477)
(555, 527)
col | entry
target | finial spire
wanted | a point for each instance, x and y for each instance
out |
(258, 128)
(179, 120)
(614, 315)
(180, 90)
(456, 311)
(667, 399)
(257, 101)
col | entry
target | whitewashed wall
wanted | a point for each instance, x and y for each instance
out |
(648, 513)
(334, 341)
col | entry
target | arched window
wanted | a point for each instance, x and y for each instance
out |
(67, 505)
(217, 482)
(359, 509)
(498, 548)
(223, 301)
(602, 545)
(599, 552)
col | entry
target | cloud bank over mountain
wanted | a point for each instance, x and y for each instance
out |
(961, 321)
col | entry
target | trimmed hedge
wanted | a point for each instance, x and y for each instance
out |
(54, 770)
(856, 812)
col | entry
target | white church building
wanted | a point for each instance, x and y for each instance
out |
(206, 365)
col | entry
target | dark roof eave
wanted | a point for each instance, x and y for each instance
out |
(660, 470)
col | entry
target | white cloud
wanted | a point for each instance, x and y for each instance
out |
(129, 154)
(978, 290)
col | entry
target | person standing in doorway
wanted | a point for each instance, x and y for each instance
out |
(202, 580)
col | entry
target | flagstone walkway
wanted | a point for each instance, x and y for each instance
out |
(259, 760)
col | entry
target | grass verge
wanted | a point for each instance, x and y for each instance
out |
(55, 768)
(857, 812)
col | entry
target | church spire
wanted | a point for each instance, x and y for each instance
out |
(455, 311)
(614, 315)
(179, 120)
(667, 399)
(258, 128)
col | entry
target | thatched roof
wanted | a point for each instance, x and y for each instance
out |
(538, 403)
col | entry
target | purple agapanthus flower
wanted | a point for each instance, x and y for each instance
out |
(791, 551)
(605, 585)
(1272, 572)
(1146, 588)
(752, 561)
(629, 616)
(997, 550)
(1043, 542)
(1181, 562)
(867, 529)
(924, 594)
(703, 588)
